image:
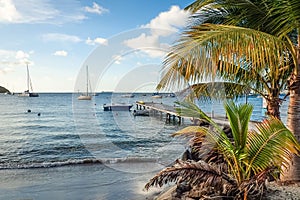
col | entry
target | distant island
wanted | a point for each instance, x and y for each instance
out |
(4, 90)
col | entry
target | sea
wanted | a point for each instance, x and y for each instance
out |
(56, 130)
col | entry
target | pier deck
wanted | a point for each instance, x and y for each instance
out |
(170, 111)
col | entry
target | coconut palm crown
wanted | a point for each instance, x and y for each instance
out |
(249, 157)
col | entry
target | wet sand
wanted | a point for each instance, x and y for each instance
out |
(82, 182)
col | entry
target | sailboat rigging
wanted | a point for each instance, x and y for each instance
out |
(29, 92)
(86, 96)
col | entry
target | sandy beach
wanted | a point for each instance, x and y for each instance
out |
(98, 182)
(82, 182)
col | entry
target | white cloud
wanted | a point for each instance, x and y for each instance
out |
(61, 37)
(40, 11)
(8, 11)
(21, 55)
(5, 70)
(101, 41)
(60, 53)
(10, 58)
(169, 21)
(148, 44)
(96, 9)
(165, 24)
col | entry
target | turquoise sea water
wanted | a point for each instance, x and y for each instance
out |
(72, 132)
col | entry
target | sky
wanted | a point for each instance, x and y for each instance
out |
(118, 45)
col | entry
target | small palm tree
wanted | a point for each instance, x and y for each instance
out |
(243, 162)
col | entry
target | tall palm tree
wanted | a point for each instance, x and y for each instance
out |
(247, 158)
(265, 45)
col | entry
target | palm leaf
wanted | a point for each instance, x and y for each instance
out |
(217, 90)
(192, 173)
(214, 135)
(207, 49)
(190, 109)
(284, 16)
(272, 145)
(239, 117)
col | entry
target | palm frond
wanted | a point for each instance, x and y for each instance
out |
(207, 49)
(192, 173)
(271, 145)
(239, 117)
(284, 16)
(190, 109)
(217, 90)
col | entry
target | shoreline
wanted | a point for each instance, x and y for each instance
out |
(86, 181)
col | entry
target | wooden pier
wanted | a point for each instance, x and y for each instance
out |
(170, 112)
(161, 108)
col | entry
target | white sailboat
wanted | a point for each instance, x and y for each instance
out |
(86, 96)
(29, 92)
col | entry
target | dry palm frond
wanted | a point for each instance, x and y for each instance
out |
(193, 173)
(254, 187)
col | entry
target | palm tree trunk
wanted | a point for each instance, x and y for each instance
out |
(293, 120)
(273, 107)
(293, 173)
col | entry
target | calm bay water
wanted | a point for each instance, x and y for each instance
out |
(70, 132)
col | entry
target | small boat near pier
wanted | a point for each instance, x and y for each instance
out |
(117, 107)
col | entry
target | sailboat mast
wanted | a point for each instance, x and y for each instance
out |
(28, 79)
(87, 81)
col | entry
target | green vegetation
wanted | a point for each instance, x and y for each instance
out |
(236, 166)
(251, 43)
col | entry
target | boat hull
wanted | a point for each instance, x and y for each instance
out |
(141, 113)
(117, 107)
(157, 96)
(84, 97)
(28, 94)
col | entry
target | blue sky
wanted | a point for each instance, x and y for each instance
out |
(58, 38)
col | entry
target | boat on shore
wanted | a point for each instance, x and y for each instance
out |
(86, 96)
(29, 92)
(117, 107)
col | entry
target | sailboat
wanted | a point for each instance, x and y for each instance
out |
(28, 92)
(86, 96)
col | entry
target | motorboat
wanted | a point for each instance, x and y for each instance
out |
(141, 113)
(156, 95)
(127, 95)
(117, 107)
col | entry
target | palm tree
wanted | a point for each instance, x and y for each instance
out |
(248, 158)
(212, 49)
